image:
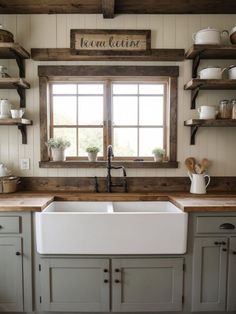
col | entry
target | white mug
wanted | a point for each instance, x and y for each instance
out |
(198, 183)
(207, 112)
(17, 113)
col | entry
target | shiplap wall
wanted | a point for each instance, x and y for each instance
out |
(168, 31)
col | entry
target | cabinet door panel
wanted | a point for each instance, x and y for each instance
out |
(75, 284)
(209, 274)
(11, 284)
(231, 303)
(147, 284)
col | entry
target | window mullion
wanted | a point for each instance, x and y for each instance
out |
(138, 148)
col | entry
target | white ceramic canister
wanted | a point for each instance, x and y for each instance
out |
(207, 112)
(208, 36)
(198, 183)
(17, 113)
(211, 73)
(5, 107)
(232, 72)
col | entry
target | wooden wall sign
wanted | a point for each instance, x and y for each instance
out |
(110, 40)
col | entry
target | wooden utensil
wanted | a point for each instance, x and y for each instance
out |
(198, 168)
(190, 164)
(204, 164)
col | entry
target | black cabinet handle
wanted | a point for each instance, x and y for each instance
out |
(105, 270)
(117, 280)
(1, 227)
(234, 252)
(227, 226)
(224, 250)
(106, 281)
(117, 270)
(18, 253)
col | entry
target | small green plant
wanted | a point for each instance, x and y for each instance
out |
(58, 142)
(92, 149)
(158, 151)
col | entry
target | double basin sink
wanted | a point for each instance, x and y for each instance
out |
(111, 228)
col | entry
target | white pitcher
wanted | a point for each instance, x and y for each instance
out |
(198, 183)
(4, 171)
(5, 107)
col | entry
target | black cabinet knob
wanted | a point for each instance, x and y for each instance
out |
(1, 227)
(18, 253)
(216, 243)
(234, 252)
(105, 270)
(227, 226)
(117, 270)
(106, 281)
(224, 250)
(117, 280)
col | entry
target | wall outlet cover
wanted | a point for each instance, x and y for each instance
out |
(24, 164)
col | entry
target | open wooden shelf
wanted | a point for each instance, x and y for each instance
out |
(197, 123)
(195, 85)
(20, 123)
(15, 83)
(211, 52)
(68, 54)
(15, 51)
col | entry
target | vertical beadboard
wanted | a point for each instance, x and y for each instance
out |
(168, 31)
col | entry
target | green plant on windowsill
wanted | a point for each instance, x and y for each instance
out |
(158, 153)
(58, 146)
(92, 153)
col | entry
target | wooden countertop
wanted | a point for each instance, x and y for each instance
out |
(36, 201)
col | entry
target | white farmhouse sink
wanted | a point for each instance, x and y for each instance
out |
(111, 228)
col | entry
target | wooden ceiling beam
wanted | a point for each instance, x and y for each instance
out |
(108, 9)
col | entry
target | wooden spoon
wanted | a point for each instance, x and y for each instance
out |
(190, 164)
(204, 164)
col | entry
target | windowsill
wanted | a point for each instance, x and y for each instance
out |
(102, 164)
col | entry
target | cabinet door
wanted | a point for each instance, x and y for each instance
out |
(209, 274)
(147, 284)
(231, 303)
(75, 284)
(11, 284)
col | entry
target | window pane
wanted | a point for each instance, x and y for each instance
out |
(151, 89)
(90, 89)
(149, 139)
(90, 110)
(64, 110)
(64, 88)
(90, 137)
(70, 135)
(125, 110)
(151, 110)
(125, 141)
(125, 89)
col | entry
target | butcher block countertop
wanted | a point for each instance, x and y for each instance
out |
(35, 202)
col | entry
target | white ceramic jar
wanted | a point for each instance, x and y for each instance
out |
(5, 107)
(207, 112)
(210, 36)
(211, 73)
(232, 72)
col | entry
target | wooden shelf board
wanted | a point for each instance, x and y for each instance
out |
(10, 50)
(10, 121)
(210, 84)
(13, 83)
(211, 52)
(211, 123)
(103, 164)
(67, 54)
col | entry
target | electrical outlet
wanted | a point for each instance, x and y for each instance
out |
(24, 164)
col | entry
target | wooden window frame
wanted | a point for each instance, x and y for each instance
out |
(49, 74)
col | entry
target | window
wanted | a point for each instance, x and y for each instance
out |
(133, 113)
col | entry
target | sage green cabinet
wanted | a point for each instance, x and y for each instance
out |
(88, 284)
(231, 300)
(210, 258)
(11, 280)
(147, 284)
(69, 284)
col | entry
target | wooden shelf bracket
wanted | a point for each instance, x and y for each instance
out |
(21, 93)
(22, 128)
(194, 94)
(195, 64)
(194, 129)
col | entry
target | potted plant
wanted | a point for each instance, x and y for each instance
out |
(158, 154)
(58, 146)
(92, 153)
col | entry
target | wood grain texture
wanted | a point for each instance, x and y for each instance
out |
(211, 52)
(121, 7)
(24, 203)
(210, 84)
(211, 123)
(108, 9)
(135, 184)
(68, 54)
